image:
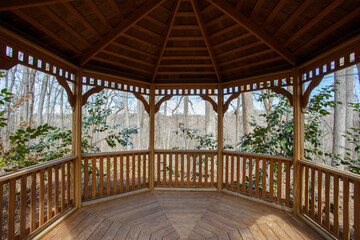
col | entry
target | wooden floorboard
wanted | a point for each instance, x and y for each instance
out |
(181, 215)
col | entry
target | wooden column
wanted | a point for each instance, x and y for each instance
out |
(220, 139)
(76, 139)
(298, 140)
(152, 136)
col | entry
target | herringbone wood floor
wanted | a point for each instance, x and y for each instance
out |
(181, 215)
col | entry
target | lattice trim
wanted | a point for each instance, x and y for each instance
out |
(185, 90)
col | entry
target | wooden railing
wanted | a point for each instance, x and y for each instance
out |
(331, 197)
(185, 168)
(106, 174)
(262, 176)
(32, 197)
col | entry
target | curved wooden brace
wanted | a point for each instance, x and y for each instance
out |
(210, 100)
(90, 92)
(71, 95)
(285, 93)
(306, 95)
(158, 104)
(227, 103)
(143, 100)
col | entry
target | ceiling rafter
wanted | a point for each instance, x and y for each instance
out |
(99, 14)
(313, 21)
(274, 13)
(293, 17)
(115, 7)
(67, 27)
(18, 4)
(241, 48)
(163, 44)
(204, 32)
(236, 15)
(45, 30)
(132, 49)
(146, 8)
(83, 21)
(256, 8)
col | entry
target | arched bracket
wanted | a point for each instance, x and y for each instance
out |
(143, 100)
(71, 95)
(90, 92)
(306, 95)
(285, 93)
(227, 103)
(163, 99)
(210, 100)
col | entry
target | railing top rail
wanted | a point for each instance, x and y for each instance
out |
(335, 171)
(35, 168)
(88, 155)
(255, 155)
(183, 151)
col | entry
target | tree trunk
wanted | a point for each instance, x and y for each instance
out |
(237, 119)
(186, 113)
(126, 112)
(32, 76)
(268, 102)
(25, 83)
(349, 99)
(62, 123)
(209, 118)
(248, 111)
(42, 98)
(339, 115)
(49, 93)
(140, 123)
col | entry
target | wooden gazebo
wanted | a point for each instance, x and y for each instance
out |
(164, 48)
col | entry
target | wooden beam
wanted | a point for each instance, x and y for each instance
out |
(70, 94)
(115, 7)
(83, 21)
(7, 5)
(293, 17)
(237, 16)
(115, 54)
(269, 60)
(135, 17)
(238, 49)
(233, 39)
(224, 31)
(205, 34)
(90, 92)
(226, 105)
(104, 60)
(99, 14)
(313, 21)
(132, 49)
(67, 27)
(256, 8)
(285, 93)
(246, 57)
(166, 39)
(220, 129)
(274, 13)
(45, 30)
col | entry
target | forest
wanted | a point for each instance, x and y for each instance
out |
(36, 121)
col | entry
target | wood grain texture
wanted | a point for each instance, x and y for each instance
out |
(181, 215)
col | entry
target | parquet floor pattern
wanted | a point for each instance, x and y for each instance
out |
(181, 215)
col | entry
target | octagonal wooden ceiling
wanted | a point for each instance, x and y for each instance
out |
(181, 41)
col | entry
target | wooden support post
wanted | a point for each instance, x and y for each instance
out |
(220, 139)
(152, 137)
(298, 140)
(76, 140)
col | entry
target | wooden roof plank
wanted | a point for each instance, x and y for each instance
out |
(256, 8)
(205, 34)
(313, 21)
(132, 49)
(83, 21)
(234, 39)
(45, 30)
(246, 57)
(99, 14)
(237, 16)
(139, 69)
(115, 7)
(293, 17)
(166, 38)
(253, 64)
(333, 27)
(68, 28)
(274, 13)
(145, 9)
(139, 40)
(241, 48)
(18, 4)
(224, 31)
(127, 58)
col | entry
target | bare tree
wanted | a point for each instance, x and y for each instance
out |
(43, 90)
(248, 111)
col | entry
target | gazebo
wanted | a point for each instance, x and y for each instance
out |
(157, 49)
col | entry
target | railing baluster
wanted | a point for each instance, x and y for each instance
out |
(288, 183)
(244, 163)
(200, 169)
(182, 162)
(133, 166)
(56, 197)
(127, 173)
(139, 170)
(279, 181)
(23, 196)
(86, 178)
(158, 168)
(164, 168)
(194, 168)
(320, 190)
(226, 182)
(271, 180)
(312, 205)
(93, 178)
(33, 203)
(108, 176)
(170, 168)
(1, 208)
(250, 190)
(327, 200)
(257, 178)
(41, 197)
(357, 210)
(306, 190)
(121, 173)
(62, 187)
(115, 174)
(101, 175)
(263, 181)
(232, 172)
(68, 172)
(212, 168)
(336, 205)
(346, 200)
(11, 209)
(49, 193)
(188, 169)
(144, 157)
(176, 168)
